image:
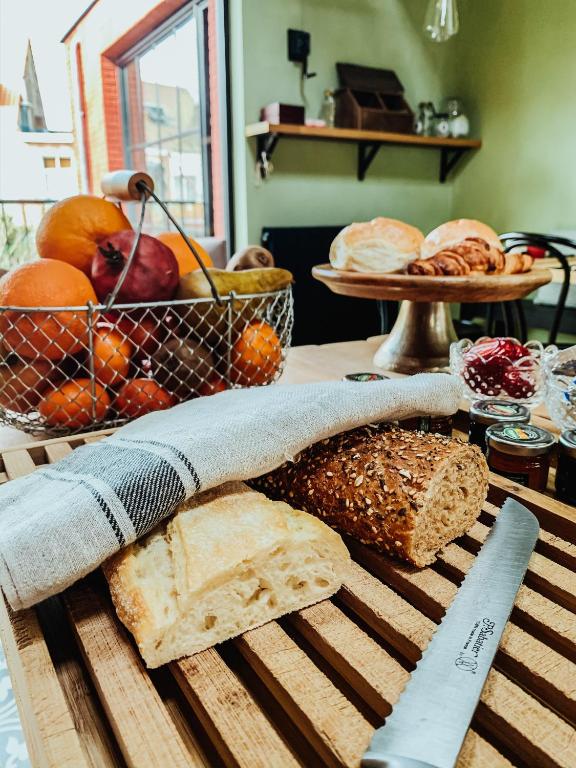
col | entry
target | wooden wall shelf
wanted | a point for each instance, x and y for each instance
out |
(369, 142)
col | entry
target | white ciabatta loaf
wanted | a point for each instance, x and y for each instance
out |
(380, 245)
(404, 493)
(228, 561)
(453, 233)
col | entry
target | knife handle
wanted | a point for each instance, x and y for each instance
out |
(375, 760)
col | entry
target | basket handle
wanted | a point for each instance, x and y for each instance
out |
(111, 298)
(146, 190)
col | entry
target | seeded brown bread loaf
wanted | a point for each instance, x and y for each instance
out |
(405, 493)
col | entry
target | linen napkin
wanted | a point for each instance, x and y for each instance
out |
(63, 520)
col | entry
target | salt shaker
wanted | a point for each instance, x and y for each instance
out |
(442, 125)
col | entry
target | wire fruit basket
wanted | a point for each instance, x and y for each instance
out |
(71, 369)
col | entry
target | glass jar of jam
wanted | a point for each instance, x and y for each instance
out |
(520, 452)
(436, 425)
(483, 413)
(566, 470)
(364, 376)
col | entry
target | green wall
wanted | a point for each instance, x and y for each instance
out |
(514, 64)
(314, 183)
(517, 71)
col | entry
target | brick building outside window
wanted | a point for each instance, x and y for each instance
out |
(147, 84)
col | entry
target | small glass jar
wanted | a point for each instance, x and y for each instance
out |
(566, 470)
(328, 109)
(364, 376)
(520, 452)
(484, 413)
(436, 425)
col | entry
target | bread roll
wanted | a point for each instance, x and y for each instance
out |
(452, 233)
(404, 493)
(380, 245)
(229, 560)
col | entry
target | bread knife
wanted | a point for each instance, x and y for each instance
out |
(427, 726)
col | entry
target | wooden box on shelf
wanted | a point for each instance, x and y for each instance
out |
(283, 113)
(372, 100)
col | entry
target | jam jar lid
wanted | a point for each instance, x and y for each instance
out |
(494, 411)
(519, 439)
(567, 443)
(365, 376)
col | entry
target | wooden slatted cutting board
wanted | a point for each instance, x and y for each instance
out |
(309, 689)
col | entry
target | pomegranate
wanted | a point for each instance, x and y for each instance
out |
(487, 362)
(153, 275)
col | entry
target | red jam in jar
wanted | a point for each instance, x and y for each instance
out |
(566, 470)
(484, 413)
(520, 452)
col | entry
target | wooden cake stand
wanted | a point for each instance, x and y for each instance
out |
(421, 337)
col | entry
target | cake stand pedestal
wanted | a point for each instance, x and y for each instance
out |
(421, 337)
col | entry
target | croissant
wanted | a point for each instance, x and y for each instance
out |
(517, 262)
(472, 256)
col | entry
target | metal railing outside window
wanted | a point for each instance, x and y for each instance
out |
(19, 221)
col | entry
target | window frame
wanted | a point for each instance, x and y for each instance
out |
(194, 9)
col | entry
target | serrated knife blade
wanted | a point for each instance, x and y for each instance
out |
(430, 720)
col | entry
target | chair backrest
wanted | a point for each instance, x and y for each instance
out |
(552, 244)
(548, 242)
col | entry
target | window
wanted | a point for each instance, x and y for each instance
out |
(65, 162)
(49, 162)
(166, 118)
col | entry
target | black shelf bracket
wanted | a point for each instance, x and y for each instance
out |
(266, 144)
(366, 154)
(449, 158)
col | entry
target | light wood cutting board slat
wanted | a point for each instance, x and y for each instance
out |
(543, 575)
(336, 729)
(374, 673)
(505, 706)
(526, 659)
(143, 728)
(551, 546)
(238, 729)
(46, 718)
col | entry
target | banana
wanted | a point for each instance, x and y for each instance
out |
(195, 285)
(210, 322)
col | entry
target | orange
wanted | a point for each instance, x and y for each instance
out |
(256, 355)
(140, 396)
(186, 261)
(71, 229)
(71, 405)
(45, 283)
(23, 382)
(112, 352)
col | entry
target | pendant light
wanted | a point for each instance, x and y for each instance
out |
(441, 21)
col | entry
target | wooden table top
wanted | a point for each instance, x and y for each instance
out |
(536, 650)
(313, 362)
